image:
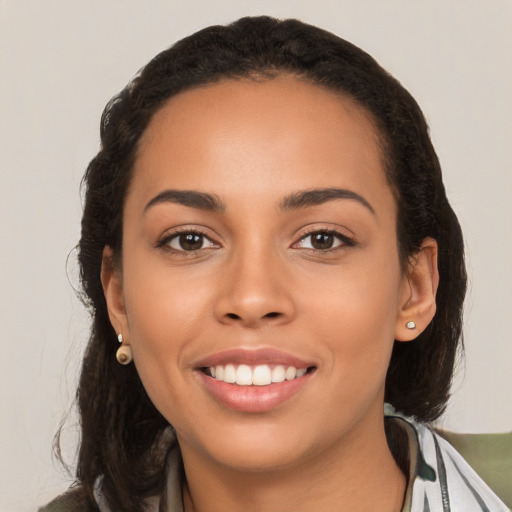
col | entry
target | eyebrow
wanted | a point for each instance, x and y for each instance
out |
(297, 200)
(314, 197)
(191, 198)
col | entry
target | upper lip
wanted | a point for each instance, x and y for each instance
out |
(252, 357)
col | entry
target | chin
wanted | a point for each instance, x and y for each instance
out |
(261, 446)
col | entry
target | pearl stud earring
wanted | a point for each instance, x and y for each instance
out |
(124, 352)
(410, 325)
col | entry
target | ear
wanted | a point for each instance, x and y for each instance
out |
(418, 293)
(111, 281)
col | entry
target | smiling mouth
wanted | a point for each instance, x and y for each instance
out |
(258, 375)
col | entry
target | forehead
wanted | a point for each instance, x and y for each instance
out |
(255, 136)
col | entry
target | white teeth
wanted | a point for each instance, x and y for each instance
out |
(301, 372)
(278, 374)
(229, 374)
(290, 373)
(260, 375)
(244, 375)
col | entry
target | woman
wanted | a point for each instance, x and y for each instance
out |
(269, 255)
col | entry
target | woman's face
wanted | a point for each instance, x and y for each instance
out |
(259, 240)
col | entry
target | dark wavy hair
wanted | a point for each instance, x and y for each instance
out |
(124, 438)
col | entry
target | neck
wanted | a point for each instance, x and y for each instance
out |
(358, 475)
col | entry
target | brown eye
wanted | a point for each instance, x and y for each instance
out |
(189, 242)
(322, 240)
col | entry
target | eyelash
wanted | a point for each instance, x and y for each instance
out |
(344, 240)
(164, 243)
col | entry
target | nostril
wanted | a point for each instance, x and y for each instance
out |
(272, 314)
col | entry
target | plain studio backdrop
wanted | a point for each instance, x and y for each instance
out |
(62, 60)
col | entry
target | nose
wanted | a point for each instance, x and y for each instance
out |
(255, 290)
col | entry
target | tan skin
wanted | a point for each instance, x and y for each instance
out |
(258, 278)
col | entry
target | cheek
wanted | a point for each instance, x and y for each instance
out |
(165, 313)
(364, 291)
(162, 301)
(161, 324)
(162, 318)
(354, 311)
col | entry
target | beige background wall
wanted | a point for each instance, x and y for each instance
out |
(60, 61)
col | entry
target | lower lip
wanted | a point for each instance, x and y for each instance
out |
(253, 398)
